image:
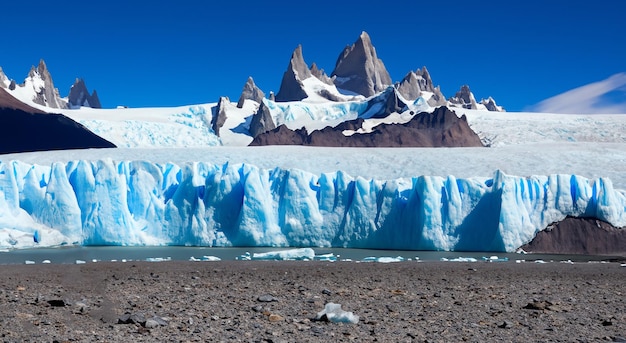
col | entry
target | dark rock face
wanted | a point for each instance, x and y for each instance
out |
(586, 236)
(442, 128)
(321, 75)
(414, 83)
(219, 116)
(261, 121)
(291, 88)
(22, 131)
(79, 96)
(359, 70)
(48, 95)
(384, 104)
(464, 98)
(250, 92)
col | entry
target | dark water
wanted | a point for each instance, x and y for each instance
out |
(65, 255)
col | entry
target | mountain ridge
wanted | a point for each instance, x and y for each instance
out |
(38, 88)
(359, 71)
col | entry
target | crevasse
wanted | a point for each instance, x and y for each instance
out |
(141, 203)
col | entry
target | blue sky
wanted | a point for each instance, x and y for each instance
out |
(171, 53)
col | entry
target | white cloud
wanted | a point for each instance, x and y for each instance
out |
(588, 99)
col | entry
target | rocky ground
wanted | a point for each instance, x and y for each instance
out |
(257, 301)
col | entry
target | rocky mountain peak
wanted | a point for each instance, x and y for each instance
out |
(291, 85)
(250, 92)
(490, 105)
(321, 75)
(38, 87)
(79, 96)
(416, 82)
(464, 98)
(40, 80)
(219, 116)
(261, 121)
(359, 70)
(42, 69)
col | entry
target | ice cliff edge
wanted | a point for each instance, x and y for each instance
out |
(141, 203)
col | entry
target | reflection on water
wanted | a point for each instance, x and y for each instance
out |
(64, 255)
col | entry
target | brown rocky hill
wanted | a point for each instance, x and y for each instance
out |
(584, 236)
(441, 128)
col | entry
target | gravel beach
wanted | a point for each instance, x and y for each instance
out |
(260, 301)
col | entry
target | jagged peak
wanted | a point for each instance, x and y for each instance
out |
(464, 98)
(40, 70)
(298, 65)
(320, 74)
(33, 72)
(78, 82)
(79, 95)
(491, 105)
(291, 84)
(365, 38)
(250, 92)
(418, 81)
(424, 73)
(42, 66)
(358, 68)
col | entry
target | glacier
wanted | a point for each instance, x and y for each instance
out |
(130, 203)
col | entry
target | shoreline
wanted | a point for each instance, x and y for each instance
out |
(395, 302)
(122, 254)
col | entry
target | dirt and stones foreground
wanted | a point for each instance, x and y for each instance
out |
(278, 301)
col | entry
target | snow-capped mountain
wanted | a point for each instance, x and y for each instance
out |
(38, 88)
(359, 74)
(464, 98)
(418, 84)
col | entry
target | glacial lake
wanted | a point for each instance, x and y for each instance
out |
(91, 254)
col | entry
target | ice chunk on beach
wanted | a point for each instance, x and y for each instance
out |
(330, 257)
(291, 254)
(383, 259)
(333, 313)
(458, 259)
(205, 259)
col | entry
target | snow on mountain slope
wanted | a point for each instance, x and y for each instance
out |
(314, 87)
(190, 126)
(150, 127)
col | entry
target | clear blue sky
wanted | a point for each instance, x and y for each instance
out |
(170, 53)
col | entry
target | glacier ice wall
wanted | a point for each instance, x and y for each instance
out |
(142, 203)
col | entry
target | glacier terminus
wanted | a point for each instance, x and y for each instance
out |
(132, 203)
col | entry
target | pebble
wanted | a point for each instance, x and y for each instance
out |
(275, 318)
(266, 298)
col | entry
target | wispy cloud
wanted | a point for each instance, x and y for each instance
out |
(607, 96)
